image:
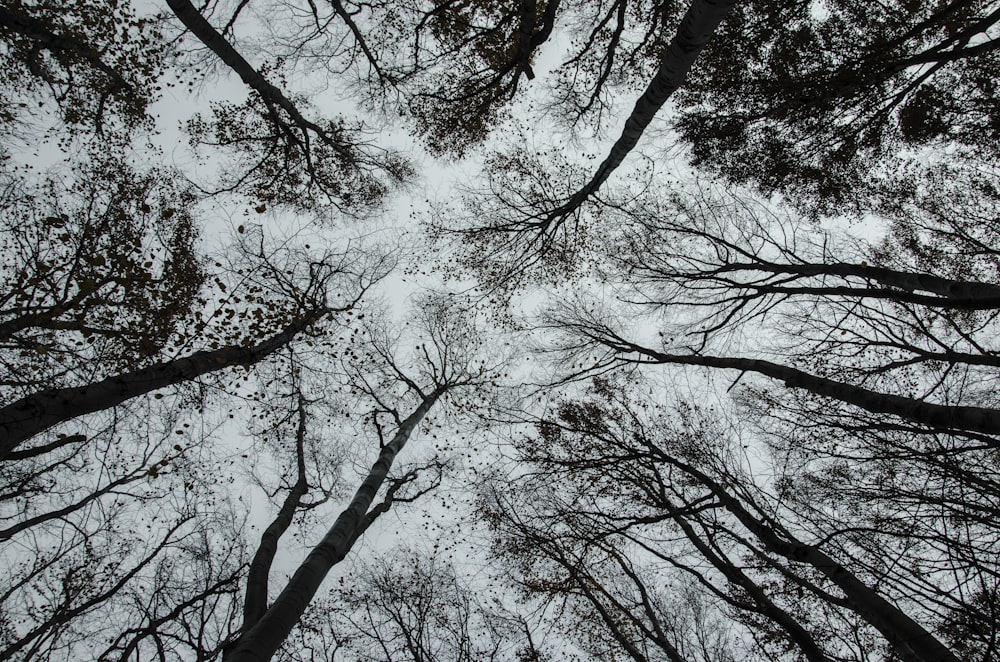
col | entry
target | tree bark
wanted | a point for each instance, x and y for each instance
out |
(940, 417)
(968, 295)
(262, 641)
(33, 414)
(909, 638)
(696, 29)
(255, 604)
(208, 35)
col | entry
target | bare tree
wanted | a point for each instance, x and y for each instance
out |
(446, 360)
(411, 605)
(122, 546)
(285, 157)
(530, 231)
(673, 481)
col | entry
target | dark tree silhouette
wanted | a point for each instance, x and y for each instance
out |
(284, 157)
(806, 102)
(74, 53)
(445, 361)
(675, 472)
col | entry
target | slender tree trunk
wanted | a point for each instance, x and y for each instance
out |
(970, 295)
(908, 637)
(697, 27)
(941, 417)
(613, 625)
(194, 21)
(33, 414)
(735, 576)
(255, 604)
(262, 641)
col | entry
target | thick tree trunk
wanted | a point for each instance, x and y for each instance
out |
(36, 413)
(262, 641)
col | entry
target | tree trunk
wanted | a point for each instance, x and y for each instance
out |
(33, 414)
(255, 604)
(262, 641)
(208, 35)
(939, 417)
(697, 27)
(767, 607)
(909, 638)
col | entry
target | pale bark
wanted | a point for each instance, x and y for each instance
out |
(33, 414)
(262, 641)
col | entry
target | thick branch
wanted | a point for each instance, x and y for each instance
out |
(36, 413)
(261, 642)
(767, 607)
(969, 295)
(940, 417)
(908, 637)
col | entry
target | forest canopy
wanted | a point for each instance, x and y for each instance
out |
(470, 330)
